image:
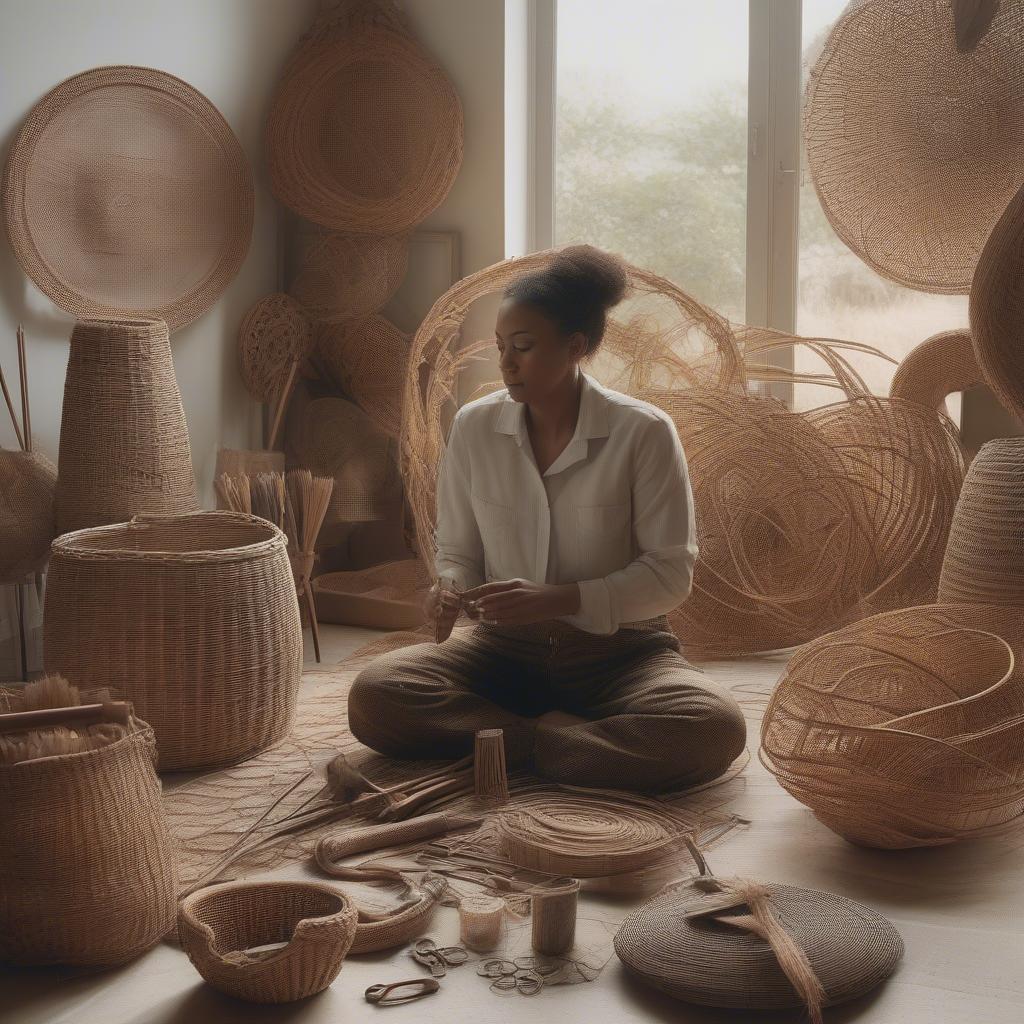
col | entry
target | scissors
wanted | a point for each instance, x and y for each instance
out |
(388, 995)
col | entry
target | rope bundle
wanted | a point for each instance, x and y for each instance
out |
(905, 729)
(312, 925)
(792, 948)
(586, 837)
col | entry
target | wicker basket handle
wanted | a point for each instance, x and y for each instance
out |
(117, 711)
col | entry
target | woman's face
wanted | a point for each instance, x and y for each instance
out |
(534, 357)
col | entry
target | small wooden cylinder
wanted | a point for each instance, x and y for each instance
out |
(480, 922)
(489, 774)
(554, 919)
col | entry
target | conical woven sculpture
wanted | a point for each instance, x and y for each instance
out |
(692, 944)
(915, 148)
(87, 872)
(984, 560)
(905, 729)
(220, 924)
(997, 306)
(941, 365)
(124, 446)
(28, 481)
(193, 618)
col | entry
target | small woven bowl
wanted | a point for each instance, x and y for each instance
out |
(223, 927)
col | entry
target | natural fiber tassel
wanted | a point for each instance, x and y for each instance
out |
(489, 774)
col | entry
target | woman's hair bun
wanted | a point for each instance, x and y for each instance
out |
(597, 276)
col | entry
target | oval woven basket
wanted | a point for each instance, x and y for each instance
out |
(904, 729)
(124, 445)
(914, 148)
(365, 133)
(984, 559)
(850, 948)
(28, 523)
(193, 618)
(127, 193)
(87, 871)
(310, 925)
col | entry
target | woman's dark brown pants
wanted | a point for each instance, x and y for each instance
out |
(654, 722)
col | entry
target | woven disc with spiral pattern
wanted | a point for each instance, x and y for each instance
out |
(850, 948)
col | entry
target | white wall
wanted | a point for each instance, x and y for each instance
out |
(231, 51)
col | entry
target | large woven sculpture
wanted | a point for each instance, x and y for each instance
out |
(340, 277)
(938, 367)
(127, 193)
(87, 873)
(219, 925)
(124, 446)
(27, 521)
(905, 729)
(367, 360)
(915, 148)
(997, 307)
(193, 618)
(365, 132)
(984, 560)
(749, 943)
(805, 521)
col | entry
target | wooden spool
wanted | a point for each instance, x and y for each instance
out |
(554, 919)
(489, 774)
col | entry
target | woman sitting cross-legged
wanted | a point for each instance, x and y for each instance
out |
(565, 518)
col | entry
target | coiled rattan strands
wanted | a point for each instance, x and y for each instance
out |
(396, 930)
(316, 923)
(984, 559)
(365, 132)
(585, 837)
(850, 948)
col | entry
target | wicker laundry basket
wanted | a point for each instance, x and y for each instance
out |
(87, 872)
(124, 446)
(222, 927)
(194, 618)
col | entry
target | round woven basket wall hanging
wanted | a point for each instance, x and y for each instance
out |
(126, 193)
(365, 134)
(914, 148)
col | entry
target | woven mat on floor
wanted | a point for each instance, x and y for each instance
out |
(208, 814)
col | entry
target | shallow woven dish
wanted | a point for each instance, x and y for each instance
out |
(388, 596)
(27, 519)
(365, 133)
(193, 618)
(219, 924)
(850, 948)
(905, 729)
(87, 869)
(914, 148)
(126, 192)
(984, 559)
(124, 444)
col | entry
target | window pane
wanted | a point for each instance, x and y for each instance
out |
(651, 138)
(839, 295)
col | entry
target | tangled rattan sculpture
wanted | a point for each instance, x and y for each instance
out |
(905, 729)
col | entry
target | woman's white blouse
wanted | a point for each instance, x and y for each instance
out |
(613, 513)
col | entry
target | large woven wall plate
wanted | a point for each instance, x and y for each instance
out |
(914, 148)
(126, 193)
(365, 133)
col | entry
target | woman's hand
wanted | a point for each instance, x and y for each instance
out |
(441, 606)
(519, 602)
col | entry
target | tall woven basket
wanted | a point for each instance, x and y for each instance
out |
(87, 873)
(124, 445)
(193, 618)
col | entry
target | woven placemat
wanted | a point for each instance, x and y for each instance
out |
(127, 193)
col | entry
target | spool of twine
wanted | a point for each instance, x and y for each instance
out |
(554, 919)
(480, 922)
(489, 773)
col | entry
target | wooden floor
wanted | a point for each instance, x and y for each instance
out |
(960, 910)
